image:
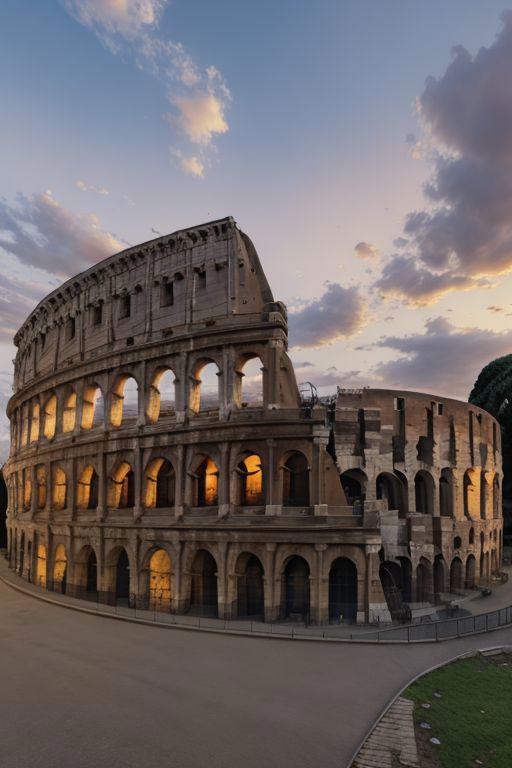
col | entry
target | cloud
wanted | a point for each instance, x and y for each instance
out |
(443, 360)
(84, 187)
(338, 313)
(201, 117)
(366, 250)
(464, 233)
(41, 233)
(198, 97)
(189, 164)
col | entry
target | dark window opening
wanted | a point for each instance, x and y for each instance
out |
(167, 294)
(125, 307)
(70, 329)
(399, 404)
(97, 315)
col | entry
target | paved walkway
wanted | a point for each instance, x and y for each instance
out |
(81, 690)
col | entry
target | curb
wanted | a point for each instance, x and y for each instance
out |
(467, 655)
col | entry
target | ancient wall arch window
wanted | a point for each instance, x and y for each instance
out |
(354, 483)
(249, 582)
(343, 590)
(296, 481)
(160, 484)
(34, 422)
(27, 488)
(92, 407)
(204, 390)
(60, 564)
(160, 581)
(296, 592)
(70, 331)
(446, 493)
(162, 399)
(471, 489)
(424, 493)
(389, 489)
(50, 417)
(97, 314)
(69, 412)
(125, 401)
(41, 486)
(206, 483)
(456, 575)
(251, 481)
(24, 424)
(85, 573)
(470, 572)
(457, 542)
(166, 293)
(41, 566)
(471, 536)
(496, 497)
(203, 584)
(88, 489)
(249, 382)
(125, 306)
(439, 575)
(59, 489)
(121, 491)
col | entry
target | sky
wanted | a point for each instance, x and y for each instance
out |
(365, 146)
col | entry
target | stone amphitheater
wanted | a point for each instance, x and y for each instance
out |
(163, 455)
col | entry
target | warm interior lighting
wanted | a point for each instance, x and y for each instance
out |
(50, 417)
(160, 581)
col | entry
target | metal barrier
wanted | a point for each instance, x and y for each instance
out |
(434, 631)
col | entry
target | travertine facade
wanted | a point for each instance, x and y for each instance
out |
(229, 501)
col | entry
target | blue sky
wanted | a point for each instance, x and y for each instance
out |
(306, 131)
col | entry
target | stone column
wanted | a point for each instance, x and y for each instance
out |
(224, 505)
(271, 593)
(223, 607)
(376, 600)
(320, 441)
(102, 490)
(138, 484)
(322, 591)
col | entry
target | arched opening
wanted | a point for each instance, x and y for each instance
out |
(91, 584)
(354, 482)
(162, 396)
(59, 489)
(446, 493)
(41, 486)
(203, 587)
(249, 383)
(160, 581)
(251, 481)
(41, 566)
(424, 493)
(29, 561)
(471, 536)
(423, 581)
(471, 494)
(483, 495)
(457, 542)
(122, 595)
(125, 401)
(390, 489)
(470, 572)
(343, 590)
(406, 566)
(204, 390)
(456, 578)
(27, 488)
(69, 413)
(60, 567)
(93, 407)
(22, 553)
(296, 589)
(160, 484)
(24, 424)
(121, 491)
(34, 422)
(206, 483)
(496, 501)
(87, 489)
(50, 417)
(249, 573)
(296, 481)
(439, 575)
(390, 574)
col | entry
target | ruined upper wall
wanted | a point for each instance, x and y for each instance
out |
(168, 287)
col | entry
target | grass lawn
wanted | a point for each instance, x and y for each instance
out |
(473, 716)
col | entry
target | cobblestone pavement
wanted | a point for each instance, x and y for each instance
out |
(393, 736)
(79, 690)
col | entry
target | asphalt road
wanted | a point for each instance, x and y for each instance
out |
(81, 691)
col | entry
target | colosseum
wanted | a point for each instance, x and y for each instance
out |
(163, 455)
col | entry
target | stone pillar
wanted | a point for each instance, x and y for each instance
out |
(224, 505)
(33, 490)
(102, 510)
(180, 482)
(222, 596)
(271, 507)
(317, 476)
(322, 587)
(272, 396)
(270, 585)
(138, 484)
(71, 490)
(141, 395)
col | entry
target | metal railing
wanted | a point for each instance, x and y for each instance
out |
(431, 631)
